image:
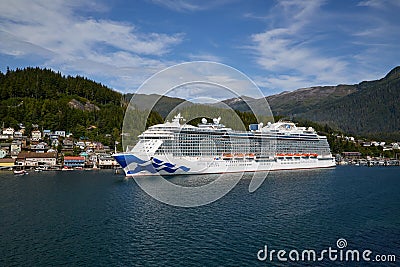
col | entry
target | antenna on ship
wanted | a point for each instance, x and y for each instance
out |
(178, 118)
(216, 121)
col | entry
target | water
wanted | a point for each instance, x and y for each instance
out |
(96, 218)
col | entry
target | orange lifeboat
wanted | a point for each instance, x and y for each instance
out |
(227, 155)
(314, 155)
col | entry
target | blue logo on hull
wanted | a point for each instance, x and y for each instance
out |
(153, 165)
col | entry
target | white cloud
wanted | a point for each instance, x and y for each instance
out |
(201, 79)
(205, 57)
(381, 4)
(190, 5)
(304, 45)
(179, 5)
(54, 31)
(286, 50)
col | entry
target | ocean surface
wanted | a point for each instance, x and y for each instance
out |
(97, 218)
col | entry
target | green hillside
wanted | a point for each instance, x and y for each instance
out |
(162, 104)
(370, 108)
(56, 102)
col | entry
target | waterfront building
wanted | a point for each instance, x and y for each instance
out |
(107, 162)
(33, 159)
(351, 154)
(6, 163)
(70, 161)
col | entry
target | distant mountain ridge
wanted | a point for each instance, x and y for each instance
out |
(161, 104)
(369, 108)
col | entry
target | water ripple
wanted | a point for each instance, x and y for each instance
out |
(100, 219)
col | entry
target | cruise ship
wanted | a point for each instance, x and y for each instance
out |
(175, 148)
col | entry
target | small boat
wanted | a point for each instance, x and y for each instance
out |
(20, 172)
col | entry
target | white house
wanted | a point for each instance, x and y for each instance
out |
(46, 132)
(15, 148)
(36, 135)
(18, 135)
(9, 131)
(60, 133)
(42, 147)
(3, 137)
(107, 162)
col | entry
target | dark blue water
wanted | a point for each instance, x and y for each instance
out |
(94, 218)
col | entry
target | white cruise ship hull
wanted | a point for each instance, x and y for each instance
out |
(143, 165)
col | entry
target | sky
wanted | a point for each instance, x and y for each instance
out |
(280, 45)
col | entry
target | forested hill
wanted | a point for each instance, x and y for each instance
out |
(40, 83)
(57, 102)
(370, 108)
(76, 104)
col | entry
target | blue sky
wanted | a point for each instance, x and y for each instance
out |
(281, 45)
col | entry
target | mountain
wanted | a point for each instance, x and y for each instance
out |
(370, 108)
(298, 101)
(53, 101)
(162, 104)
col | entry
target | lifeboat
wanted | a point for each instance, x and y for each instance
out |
(289, 155)
(280, 155)
(239, 155)
(297, 155)
(314, 155)
(227, 155)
